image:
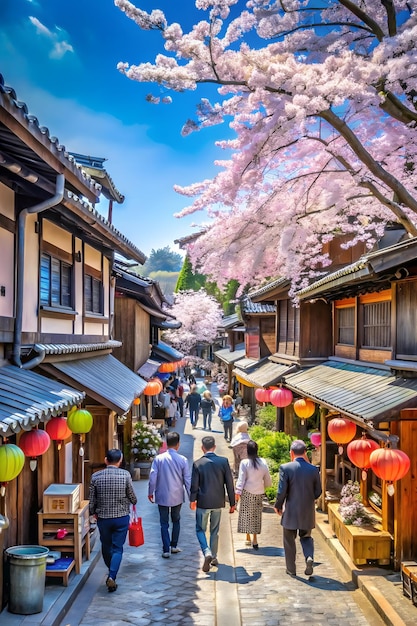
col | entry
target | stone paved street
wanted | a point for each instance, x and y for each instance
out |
(249, 588)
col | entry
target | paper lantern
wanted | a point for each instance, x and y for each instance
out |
(80, 422)
(262, 395)
(136, 401)
(58, 430)
(315, 439)
(34, 443)
(359, 452)
(166, 367)
(12, 460)
(153, 388)
(389, 465)
(341, 431)
(304, 409)
(244, 382)
(281, 397)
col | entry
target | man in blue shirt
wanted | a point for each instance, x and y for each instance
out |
(168, 478)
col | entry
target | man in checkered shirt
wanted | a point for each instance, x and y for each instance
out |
(111, 494)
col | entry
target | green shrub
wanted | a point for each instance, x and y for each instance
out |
(272, 445)
(266, 416)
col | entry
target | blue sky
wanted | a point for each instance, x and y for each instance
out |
(60, 56)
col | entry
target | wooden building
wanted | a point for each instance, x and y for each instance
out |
(371, 374)
(56, 311)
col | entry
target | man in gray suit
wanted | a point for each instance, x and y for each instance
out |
(299, 487)
(210, 476)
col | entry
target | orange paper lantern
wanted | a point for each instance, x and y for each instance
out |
(341, 431)
(389, 465)
(153, 388)
(304, 409)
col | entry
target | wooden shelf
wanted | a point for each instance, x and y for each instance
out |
(78, 527)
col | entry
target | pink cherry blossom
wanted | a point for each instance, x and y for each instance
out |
(321, 103)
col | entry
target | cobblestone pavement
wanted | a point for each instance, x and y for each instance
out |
(248, 588)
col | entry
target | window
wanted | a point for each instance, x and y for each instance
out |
(377, 325)
(93, 295)
(346, 325)
(55, 282)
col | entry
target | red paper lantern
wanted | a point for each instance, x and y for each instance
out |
(281, 397)
(58, 430)
(34, 443)
(153, 388)
(341, 431)
(389, 465)
(359, 452)
(304, 408)
(262, 395)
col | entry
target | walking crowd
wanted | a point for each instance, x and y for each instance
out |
(206, 486)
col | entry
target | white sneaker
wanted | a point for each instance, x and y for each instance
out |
(175, 550)
(165, 555)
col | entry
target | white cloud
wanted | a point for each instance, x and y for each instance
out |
(59, 46)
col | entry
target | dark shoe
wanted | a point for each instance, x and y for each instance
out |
(214, 563)
(207, 562)
(255, 546)
(309, 566)
(111, 584)
(292, 574)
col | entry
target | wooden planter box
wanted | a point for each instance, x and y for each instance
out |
(362, 543)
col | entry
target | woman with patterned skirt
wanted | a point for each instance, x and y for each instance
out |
(253, 478)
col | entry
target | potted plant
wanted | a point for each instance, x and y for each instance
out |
(146, 442)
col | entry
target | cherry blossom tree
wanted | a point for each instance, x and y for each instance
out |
(321, 98)
(200, 316)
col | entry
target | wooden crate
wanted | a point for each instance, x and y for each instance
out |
(409, 580)
(61, 498)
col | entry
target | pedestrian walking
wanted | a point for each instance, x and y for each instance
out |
(211, 475)
(253, 478)
(169, 481)
(180, 398)
(298, 489)
(207, 407)
(111, 494)
(226, 414)
(193, 403)
(239, 445)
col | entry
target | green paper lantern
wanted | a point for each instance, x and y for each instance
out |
(12, 460)
(80, 421)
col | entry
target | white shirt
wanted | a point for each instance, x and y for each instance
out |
(251, 479)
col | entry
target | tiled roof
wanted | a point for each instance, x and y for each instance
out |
(94, 167)
(20, 111)
(269, 286)
(75, 348)
(250, 307)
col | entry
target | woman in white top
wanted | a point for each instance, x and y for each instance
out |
(253, 477)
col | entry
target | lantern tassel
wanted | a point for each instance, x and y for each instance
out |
(3, 489)
(33, 463)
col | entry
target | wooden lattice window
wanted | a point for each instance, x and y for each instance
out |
(377, 325)
(346, 325)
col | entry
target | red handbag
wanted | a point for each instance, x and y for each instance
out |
(136, 537)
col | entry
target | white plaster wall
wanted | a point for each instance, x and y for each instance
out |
(7, 254)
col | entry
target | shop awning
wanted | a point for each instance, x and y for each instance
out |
(265, 374)
(247, 364)
(165, 352)
(364, 394)
(27, 398)
(103, 378)
(149, 369)
(230, 356)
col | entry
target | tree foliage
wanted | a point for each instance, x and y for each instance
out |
(163, 259)
(200, 316)
(188, 279)
(321, 97)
